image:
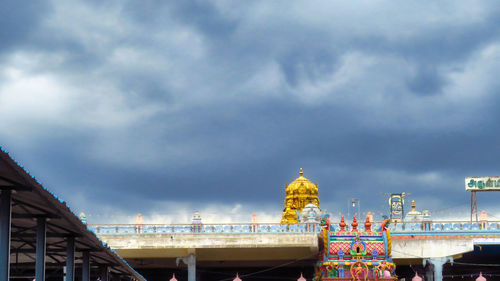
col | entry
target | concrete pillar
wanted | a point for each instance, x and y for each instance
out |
(86, 266)
(191, 263)
(437, 264)
(105, 273)
(41, 233)
(5, 216)
(429, 272)
(70, 259)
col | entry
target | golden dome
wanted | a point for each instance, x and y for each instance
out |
(302, 185)
(299, 193)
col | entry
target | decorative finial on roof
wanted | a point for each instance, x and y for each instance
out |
(301, 278)
(413, 205)
(481, 277)
(342, 224)
(173, 278)
(368, 224)
(237, 278)
(301, 172)
(416, 277)
(354, 224)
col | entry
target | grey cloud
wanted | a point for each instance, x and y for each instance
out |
(19, 21)
(367, 104)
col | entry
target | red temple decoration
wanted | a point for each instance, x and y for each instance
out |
(368, 224)
(355, 255)
(342, 224)
(354, 224)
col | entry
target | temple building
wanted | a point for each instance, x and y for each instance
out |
(299, 193)
(352, 254)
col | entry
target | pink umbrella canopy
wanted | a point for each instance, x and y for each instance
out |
(480, 278)
(301, 278)
(237, 278)
(173, 278)
(416, 278)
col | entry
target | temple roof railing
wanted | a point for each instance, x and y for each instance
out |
(243, 228)
(404, 228)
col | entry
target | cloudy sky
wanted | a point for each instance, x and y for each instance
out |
(163, 108)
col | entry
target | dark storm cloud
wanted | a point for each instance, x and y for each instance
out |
(219, 102)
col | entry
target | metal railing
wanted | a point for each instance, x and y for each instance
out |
(448, 227)
(123, 229)
(431, 227)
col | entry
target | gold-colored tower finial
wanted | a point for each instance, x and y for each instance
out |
(301, 172)
(413, 205)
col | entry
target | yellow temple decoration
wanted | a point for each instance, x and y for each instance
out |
(299, 193)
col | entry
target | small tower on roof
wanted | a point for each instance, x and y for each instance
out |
(413, 215)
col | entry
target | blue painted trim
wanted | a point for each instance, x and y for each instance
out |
(486, 243)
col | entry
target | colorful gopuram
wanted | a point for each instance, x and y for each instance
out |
(354, 255)
(299, 193)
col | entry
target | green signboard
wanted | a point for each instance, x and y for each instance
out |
(482, 183)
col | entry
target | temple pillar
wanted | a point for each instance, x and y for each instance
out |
(190, 261)
(437, 265)
(5, 217)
